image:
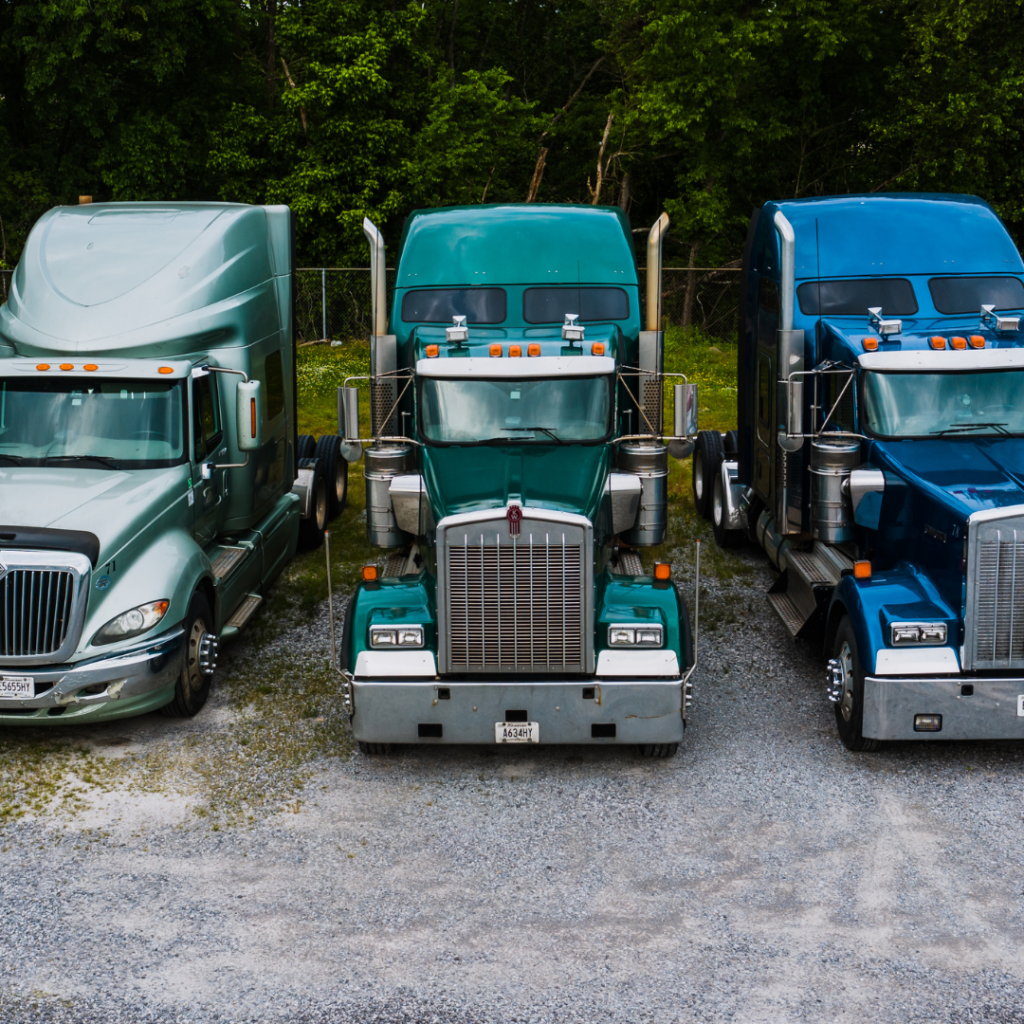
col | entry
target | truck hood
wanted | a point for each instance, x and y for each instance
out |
(113, 505)
(968, 474)
(569, 477)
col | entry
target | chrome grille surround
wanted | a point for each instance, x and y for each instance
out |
(515, 605)
(42, 605)
(994, 619)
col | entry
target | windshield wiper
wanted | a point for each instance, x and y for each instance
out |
(16, 459)
(103, 460)
(547, 430)
(959, 428)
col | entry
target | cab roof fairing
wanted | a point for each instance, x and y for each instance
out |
(164, 277)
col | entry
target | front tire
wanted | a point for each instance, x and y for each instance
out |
(375, 749)
(850, 709)
(707, 459)
(658, 749)
(193, 684)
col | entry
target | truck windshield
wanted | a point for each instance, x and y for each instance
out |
(114, 424)
(552, 411)
(979, 404)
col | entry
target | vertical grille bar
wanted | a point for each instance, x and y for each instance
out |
(995, 595)
(35, 611)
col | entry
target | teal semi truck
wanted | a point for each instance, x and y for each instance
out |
(517, 470)
(152, 484)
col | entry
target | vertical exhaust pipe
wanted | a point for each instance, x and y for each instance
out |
(654, 240)
(378, 280)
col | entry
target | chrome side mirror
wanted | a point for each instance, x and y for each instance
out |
(684, 397)
(348, 423)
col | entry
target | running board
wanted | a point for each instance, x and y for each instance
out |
(241, 615)
(801, 594)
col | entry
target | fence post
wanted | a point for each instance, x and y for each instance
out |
(323, 295)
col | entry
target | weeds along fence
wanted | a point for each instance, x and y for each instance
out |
(334, 302)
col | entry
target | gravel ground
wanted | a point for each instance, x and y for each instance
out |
(763, 874)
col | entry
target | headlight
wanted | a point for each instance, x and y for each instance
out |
(391, 637)
(632, 635)
(917, 634)
(131, 623)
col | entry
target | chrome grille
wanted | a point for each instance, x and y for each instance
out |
(35, 611)
(994, 623)
(516, 604)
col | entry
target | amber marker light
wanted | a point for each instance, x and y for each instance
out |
(533, 350)
(870, 344)
(862, 570)
(957, 342)
(165, 369)
(662, 570)
(369, 573)
(515, 350)
(977, 341)
(495, 351)
(90, 367)
(67, 366)
(43, 366)
(432, 351)
(937, 342)
(597, 349)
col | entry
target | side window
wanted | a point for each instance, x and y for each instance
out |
(840, 389)
(768, 295)
(207, 432)
(273, 386)
(764, 395)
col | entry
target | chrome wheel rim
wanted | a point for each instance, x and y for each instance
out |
(194, 677)
(698, 475)
(716, 502)
(845, 660)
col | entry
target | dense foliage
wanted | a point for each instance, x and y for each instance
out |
(346, 108)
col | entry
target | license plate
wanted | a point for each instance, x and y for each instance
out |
(17, 686)
(516, 732)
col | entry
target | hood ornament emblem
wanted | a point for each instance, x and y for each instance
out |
(514, 515)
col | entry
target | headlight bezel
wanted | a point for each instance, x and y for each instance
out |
(917, 634)
(403, 637)
(627, 636)
(125, 625)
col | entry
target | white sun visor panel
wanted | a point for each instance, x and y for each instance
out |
(950, 360)
(518, 368)
(126, 369)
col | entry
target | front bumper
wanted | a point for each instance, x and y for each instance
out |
(972, 708)
(129, 682)
(640, 710)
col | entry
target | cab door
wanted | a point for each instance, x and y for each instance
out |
(208, 449)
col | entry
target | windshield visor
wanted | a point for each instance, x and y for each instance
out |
(114, 423)
(548, 411)
(979, 404)
(854, 298)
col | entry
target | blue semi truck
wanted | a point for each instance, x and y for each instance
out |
(879, 456)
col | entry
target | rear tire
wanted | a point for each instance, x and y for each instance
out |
(731, 445)
(850, 709)
(306, 447)
(724, 538)
(328, 451)
(193, 685)
(311, 530)
(375, 749)
(707, 458)
(658, 749)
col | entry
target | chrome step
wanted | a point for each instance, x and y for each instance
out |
(226, 561)
(628, 564)
(788, 611)
(244, 612)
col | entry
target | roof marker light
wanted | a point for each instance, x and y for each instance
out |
(165, 369)
(977, 341)
(43, 366)
(937, 342)
(90, 367)
(67, 366)
(870, 344)
(515, 350)
(533, 350)
(597, 348)
(495, 351)
(957, 342)
(432, 351)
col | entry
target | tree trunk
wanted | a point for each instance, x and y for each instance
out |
(538, 173)
(270, 66)
(595, 192)
(691, 286)
(624, 190)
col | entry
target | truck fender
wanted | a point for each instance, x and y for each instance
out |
(848, 599)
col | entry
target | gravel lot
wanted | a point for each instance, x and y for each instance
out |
(206, 871)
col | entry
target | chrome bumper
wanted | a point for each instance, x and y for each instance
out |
(993, 711)
(133, 673)
(640, 710)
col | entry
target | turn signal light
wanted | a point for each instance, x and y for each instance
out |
(43, 366)
(662, 570)
(165, 369)
(432, 351)
(495, 350)
(533, 350)
(862, 570)
(90, 367)
(369, 573)
(977, 341)
(870, 344)
(957, 342)
(515, 350)
(597, 348)
(938, 342)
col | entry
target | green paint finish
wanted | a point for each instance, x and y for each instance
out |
(405, 599)
(640, 599)
(464, 478)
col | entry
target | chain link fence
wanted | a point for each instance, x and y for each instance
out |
(334, 303)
